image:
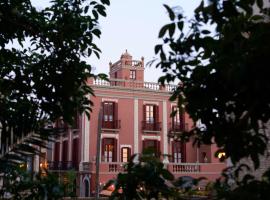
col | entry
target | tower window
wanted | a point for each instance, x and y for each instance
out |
(132, 74)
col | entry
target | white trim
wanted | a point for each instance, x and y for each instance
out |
(150, 102)
(75, 136)
(110, 100)
(152, 137)
(86, 138)
(136, 126)
(70, 145)
(165, 128)
(125, 145)
(108, 135)
(64, 139)
(142, 96)
(173, 104)
(60, 148)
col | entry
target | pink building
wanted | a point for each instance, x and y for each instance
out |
(130, 115)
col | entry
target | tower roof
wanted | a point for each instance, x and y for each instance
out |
(126, 55)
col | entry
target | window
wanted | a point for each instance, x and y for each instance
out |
(132, 74)
(65, 151)
(178, 152)
(152, 145)
(177, 119)
(149, 114)
(151, 118)
(75, 151)
(110, 115)
(125, 154)
(109, 150)
(56, 151)
(86, 188)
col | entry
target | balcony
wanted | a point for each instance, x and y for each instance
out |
(62, 165)
(209, 170)
(177, 128)
(151, 126)
(114, 125)
(133, 84)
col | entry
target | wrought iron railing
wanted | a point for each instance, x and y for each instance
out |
(114, 124)
(151, 126)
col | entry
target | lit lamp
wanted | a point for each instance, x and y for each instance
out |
(43, 165)
(221, 155)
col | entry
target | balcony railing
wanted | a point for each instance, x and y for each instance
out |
(63, 165)
(185, 167)
(202, 168)
(115, 124)
(177, 128)
(151, 126)
(134, 84)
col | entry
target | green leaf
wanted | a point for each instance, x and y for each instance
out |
(206, 32)
(163, 30)
(86, 9)
(170, 11)
(260, 3)
(107, 2)
(171, 29)
(180, 25)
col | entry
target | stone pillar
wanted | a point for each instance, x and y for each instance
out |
(136, 126)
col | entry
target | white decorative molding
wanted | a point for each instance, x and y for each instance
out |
(125, 145)
(70, 145)
(109, 135)
(150, 102)
(165, 127)
(86, 138)
(136, 126)
(60, 148)
(173, 104)
(111, 100)
(151, 137)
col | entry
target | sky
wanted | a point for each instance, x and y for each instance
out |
(133, 25)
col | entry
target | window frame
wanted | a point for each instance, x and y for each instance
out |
(132, 74)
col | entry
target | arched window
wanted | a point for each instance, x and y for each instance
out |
(86, 188)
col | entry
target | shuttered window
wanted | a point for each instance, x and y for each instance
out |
(65, 151)
(178, 152)
(150, 113)
(125, 154)
(56, 151)
(152, 145)
(109, 150)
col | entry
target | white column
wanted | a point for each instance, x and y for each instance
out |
(70, 145)
(165, 129)
(86, 139)
(61, 148)
(136, 126)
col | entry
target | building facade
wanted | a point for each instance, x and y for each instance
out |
(129, 115)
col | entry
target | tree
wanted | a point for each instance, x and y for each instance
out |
(221, 59)
(145, 179)
(43, 77)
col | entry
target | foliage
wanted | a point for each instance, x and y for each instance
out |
(221, 59)
(146, 177)
(43, 76)
(21, 184)
(247, 188)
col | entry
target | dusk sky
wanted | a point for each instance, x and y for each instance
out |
(132, 25)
